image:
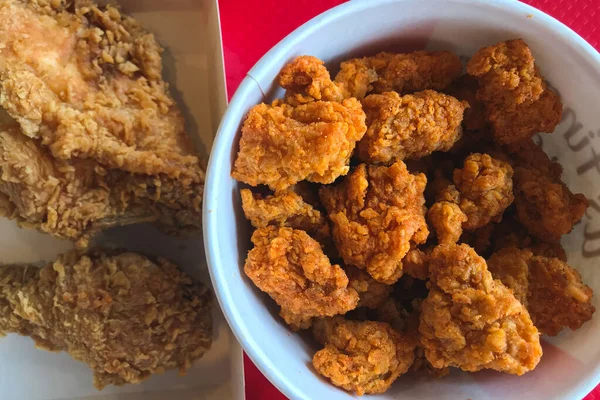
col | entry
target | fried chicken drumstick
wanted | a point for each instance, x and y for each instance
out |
(124, 315)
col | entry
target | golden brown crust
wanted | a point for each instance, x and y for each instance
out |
(402, 73)
(306, 79)
(377, 213)
(122, 314)
(485, 186)
(282, 145)
(290, 267)
(472, 322)
(363, 357)
(372, 294)
(409, 127)
(447, 219)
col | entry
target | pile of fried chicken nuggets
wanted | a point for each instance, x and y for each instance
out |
(413, 223)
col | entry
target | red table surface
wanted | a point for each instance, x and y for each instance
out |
(251, 27)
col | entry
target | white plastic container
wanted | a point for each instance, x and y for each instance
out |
(570, 367)
(189, 32)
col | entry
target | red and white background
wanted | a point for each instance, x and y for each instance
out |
(251, 27)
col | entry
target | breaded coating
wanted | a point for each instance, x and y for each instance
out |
(284, 209)
(472, 322)
(74, 199)
(518, 102)
(416, 263)
(409, 127)
(447, 219)
(365, 357)
(526, 153)
(372, 294)
(122, 314)
(377, 214)
(464, 88)
(306, 80)
(546, 206)
(486, 189)
(481, 239)
(290, 267)
(551, 290)
(86, 81)
(402, 73)
(282, 145)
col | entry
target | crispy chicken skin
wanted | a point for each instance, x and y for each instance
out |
(409, 127)
(486, 189)
(284, 209)
(377, 214)
(402, 73)
(552, 291)
(447, 219)
(545, 205)
(306, 80)
(365, 357)
(73, 199)
(372, 294)
(282, 145)
(518, 102)
(86, 81)
(290, 267)
(124, 315)
(472, 322)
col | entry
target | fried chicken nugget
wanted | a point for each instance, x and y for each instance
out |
(545, 205)
(551, 290)
(447, 219)
(284, 209)
(486, 189)
(409, 127)
(362, 356)
(306, 80)
(282, 145)
(518, 102)
(472, 322)
(124, 315)
(372, 294)
(290, 267)
(377, 214)
(402, 73)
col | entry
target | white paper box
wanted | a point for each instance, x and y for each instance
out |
(189, 32)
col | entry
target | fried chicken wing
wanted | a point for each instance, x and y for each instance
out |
(545, 205)
(290, 267)
(73, 199)
(486, 189)
(472, 322)
(87, 82)
(306, 80)
(365, 357)
(402, 73)
(377, 214)
(284, 209)
(124, 315)
(551, 290)
(283, 144)
(409, 127)
(518, 102)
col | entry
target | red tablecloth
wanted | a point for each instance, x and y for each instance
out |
(251, 27)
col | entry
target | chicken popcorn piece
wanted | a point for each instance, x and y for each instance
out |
(518, 102)
(284, 209)
(545, 205)
(306, 80)
(551, 290)
(282, 145)
(372, 294)
(377, 214)
(486, 189)
(402, 73)
(447, 219)
(472, 322)
(290, 267)
(365, 357)
(124, 315)
(409, 127)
